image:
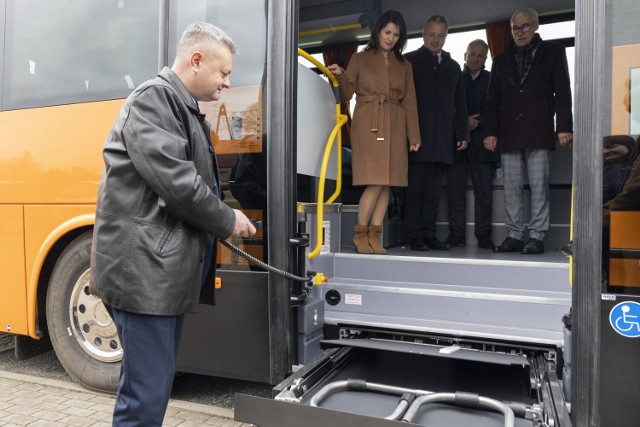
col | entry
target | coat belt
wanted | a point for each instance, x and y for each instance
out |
(376, 122)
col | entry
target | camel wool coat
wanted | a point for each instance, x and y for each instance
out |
(385, 119)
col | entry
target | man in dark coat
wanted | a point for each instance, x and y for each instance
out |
(529, 85)
(442, 112)
(476, 161)
(158, 206)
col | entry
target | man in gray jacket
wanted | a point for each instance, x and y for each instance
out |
(159, 200)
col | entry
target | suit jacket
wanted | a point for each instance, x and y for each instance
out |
(476, 94)
(385, 119)
(442, 108)
(521, 113)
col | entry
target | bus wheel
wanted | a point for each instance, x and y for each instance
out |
(82, 332)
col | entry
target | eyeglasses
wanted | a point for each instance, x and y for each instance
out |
(525, 28)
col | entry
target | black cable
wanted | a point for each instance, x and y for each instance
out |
(263, 265)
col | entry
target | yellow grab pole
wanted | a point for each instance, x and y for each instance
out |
(339, 160)
(341, 119)
(323, 172)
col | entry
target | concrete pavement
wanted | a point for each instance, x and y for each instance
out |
(27, 400)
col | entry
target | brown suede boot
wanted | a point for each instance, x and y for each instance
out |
(374, 240)
(361, 239)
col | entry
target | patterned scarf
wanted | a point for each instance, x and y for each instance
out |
(524, 56)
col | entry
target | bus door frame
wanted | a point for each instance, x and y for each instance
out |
(593, 42)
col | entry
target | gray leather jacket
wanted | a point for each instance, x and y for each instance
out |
(155, 203)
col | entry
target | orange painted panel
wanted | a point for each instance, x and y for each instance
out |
(41, 221)
(625, 234)
(624, 58)
(44, 226)
(624, 272)
(54, 154)
(625, 230)
(13, 289)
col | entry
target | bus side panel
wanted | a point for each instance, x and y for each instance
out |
(54, 154)
(13, 290)
(40, 222)
(231, 338)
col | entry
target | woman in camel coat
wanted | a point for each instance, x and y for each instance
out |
(385, 123)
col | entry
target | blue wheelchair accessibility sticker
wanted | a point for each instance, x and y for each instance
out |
(625, 319)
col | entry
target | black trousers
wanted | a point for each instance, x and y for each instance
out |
(423, 197)
(481, 174)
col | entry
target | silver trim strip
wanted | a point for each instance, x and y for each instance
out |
(535, 338)
(456, 294)
(465, 261)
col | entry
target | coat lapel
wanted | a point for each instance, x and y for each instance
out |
(511, 67)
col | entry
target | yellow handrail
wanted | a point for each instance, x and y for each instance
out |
(341, 119)
(325, 70)
(330, 29)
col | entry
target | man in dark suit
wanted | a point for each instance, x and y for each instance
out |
(476, 161)
(442, 112)
(529, 86)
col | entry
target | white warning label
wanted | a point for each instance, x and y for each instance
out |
(353, 299)
(326, 241)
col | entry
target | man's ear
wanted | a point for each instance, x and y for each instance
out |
(195, 59)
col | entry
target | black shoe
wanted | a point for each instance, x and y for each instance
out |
(533, 247)
(435, 244)
(510, 245)
(485, 242)
(418, 244)
(567, 319)
(455, 241)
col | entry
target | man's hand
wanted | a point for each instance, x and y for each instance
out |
(243, 227)
(473, 121)
(414, 147)
(461, 145)
(490, 143)
(565, 137)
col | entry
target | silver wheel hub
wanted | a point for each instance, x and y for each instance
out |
(91, 324)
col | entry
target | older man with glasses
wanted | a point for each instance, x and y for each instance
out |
(528, 89)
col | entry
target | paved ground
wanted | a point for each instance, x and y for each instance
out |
(27, 400)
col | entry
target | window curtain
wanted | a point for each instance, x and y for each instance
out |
(341, 54)
(498, 36)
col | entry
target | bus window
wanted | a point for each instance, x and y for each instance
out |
(61, 52)
(236, 119)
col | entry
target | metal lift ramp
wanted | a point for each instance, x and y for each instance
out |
(464, 292)
(506, 300)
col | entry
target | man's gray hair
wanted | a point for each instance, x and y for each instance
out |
(202, 34)
(477, 42)
(436, 19)
(531, 13)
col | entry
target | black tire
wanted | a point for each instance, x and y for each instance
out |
(82, 333)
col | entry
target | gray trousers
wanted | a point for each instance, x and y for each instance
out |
(536, 164)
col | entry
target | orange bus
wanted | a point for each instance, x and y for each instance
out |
(68, 65)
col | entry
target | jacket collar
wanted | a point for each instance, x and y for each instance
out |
(466, 72)
(509, 55)
(170, 77)
(444, 55)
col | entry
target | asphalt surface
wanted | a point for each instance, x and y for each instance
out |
(187, 387)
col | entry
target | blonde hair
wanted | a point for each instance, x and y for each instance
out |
(203, 35)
